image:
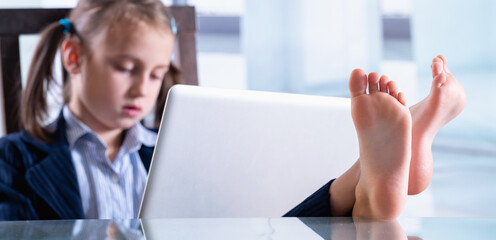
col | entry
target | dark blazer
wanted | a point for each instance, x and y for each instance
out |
(38, 180)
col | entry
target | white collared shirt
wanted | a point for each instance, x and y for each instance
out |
(108, 190)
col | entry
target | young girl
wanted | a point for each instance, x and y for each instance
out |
(92, 161)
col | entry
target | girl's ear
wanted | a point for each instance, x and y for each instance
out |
(71, 55)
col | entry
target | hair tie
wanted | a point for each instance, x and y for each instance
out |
(68, 28)
(173, 25)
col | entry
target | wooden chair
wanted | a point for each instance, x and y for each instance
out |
(14, 22)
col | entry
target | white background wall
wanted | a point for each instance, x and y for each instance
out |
(464, 150)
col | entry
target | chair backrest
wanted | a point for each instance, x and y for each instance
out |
(14, 22)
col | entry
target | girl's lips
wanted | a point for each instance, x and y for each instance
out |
(132, 111)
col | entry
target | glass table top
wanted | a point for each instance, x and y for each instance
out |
(253, 228)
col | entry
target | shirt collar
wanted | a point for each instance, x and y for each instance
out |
(136, 136)
(75, 129)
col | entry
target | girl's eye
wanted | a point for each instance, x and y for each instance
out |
(124, 69)
(156, 77)
(159, 75)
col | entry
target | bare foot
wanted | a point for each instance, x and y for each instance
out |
(383, 126)
(445, 101)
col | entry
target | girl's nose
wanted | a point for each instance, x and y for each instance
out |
(139, 87)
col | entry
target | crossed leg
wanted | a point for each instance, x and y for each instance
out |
(445, 101)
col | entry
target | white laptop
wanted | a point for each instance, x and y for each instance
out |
(238, 153)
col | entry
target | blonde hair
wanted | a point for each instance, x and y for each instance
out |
(89, 18)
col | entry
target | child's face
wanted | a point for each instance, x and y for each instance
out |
(121, 79)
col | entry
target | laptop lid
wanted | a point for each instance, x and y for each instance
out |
(239, 153)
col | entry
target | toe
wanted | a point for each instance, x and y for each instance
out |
(445, 63)
(402, 98)
(437, 66)
(439, 80)
(373, 82)
(442, 57)
(358, 83)
(383, 82)
(393, 89)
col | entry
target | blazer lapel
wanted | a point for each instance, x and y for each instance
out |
(146, 154)
(53, 177)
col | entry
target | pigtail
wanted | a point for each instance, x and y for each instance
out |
(34, 108)
(172, 77)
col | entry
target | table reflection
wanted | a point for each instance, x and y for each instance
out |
(357, 228)
(254, 228)
(274, 228)
(72, 229)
